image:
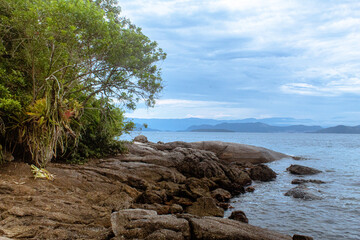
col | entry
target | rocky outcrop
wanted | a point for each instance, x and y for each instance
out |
(302, 170)
(144, 224)
(303, 192)
(229, 152)
(159, 178)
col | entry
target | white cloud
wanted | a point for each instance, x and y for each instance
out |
(180, 108)
(331, 88)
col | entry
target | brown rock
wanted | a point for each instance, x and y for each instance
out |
(141, 138)
(144, 224)
(301, 237)
(302, 170)
(227, 229)
(239, 216)
(221, 195)
(205, 206)
(262, 173)
(250, 189)
(301, 181)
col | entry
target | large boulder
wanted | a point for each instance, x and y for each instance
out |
(146, 224)
(232, 152)
(302, 170)
(302, 192)
(227, 229)
(262, 173)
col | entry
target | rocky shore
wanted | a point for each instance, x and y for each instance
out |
(159, 191)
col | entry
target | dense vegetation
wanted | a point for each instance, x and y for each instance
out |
(67, 68)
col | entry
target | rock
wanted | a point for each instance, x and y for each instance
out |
(198, 187)
(237, 175)
(161, 209)
(301, 237)
(262, 173)
(221, 195)
(141, 138)
(250, 189)
(146, 224)
(302, 170)
(301, 181)
(302, 192)
(233, 152)
(152, 196)
(205, 206)
(227, 229)
(239, 216)
(165, 234)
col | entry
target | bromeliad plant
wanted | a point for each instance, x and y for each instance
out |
(47, 127)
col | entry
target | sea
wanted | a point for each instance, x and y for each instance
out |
(335, 217)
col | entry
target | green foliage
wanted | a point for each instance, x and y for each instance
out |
(102, 123)
(61, 63)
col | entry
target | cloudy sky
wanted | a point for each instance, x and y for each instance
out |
(254, 58)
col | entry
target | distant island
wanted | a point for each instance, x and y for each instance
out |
(251, 125)
(257, 127)
(341, 129)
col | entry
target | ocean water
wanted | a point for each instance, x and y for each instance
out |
(336, 216)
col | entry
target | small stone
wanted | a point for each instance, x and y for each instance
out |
(301, 237)
(302, 170)
(250, 189)
(239, 216)
(141, 138)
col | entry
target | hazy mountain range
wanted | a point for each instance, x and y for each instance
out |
(266, 125)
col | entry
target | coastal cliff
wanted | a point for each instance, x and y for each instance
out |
(159, 190)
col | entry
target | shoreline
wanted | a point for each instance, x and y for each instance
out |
(166, 185)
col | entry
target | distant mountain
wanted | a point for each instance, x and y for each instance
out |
(341, 129)
(211, 130)
(141, 127)
(182, 124)
(253, 127)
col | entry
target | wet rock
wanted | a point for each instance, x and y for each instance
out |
(250, 189)
(301, 237)
(221, 195)
(302, 170)
(262, 173)
(141, 138)
(227, 229)
(239, 216)
(146, 224)
(205, 206)
(302, 192)
(301, 181)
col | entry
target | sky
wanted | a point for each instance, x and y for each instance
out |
(260, 58)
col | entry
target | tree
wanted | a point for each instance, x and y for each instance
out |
(58, 57)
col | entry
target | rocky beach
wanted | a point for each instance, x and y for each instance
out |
(173, 190)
